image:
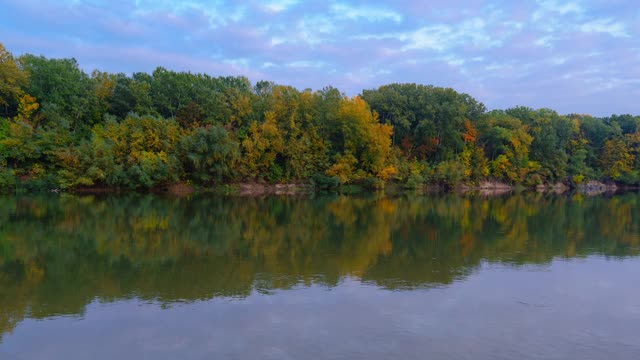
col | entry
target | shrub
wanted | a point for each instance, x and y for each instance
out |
(7, 179)
(415, 181)
(324, 182)
(372, 183)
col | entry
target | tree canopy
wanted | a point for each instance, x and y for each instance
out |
(63, 128)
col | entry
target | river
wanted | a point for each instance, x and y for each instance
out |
(529, 276)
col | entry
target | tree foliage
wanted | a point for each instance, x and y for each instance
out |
(65, 128)
(12, 81)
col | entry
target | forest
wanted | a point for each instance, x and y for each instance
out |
(61, 128)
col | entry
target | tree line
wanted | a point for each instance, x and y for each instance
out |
(63, 128)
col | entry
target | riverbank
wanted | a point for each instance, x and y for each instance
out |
(484, 188)
(487, 187)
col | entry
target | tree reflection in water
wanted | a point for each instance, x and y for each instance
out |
(58, 253)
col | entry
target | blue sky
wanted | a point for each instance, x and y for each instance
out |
(579, 56)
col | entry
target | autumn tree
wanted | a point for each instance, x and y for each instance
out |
(361, 137)
(139, 152)
(476, 165)
(506, 142)
(12, 81)
(262, 148)
(616, 159)
(147, 129)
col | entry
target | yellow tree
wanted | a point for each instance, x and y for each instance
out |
(12, 78)
(476, 165)
(616, 158)
(26, 106)
(364, 138)
(261, 148)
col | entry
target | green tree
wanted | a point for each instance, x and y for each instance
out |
(427, 120)
(61, 88)
(506, 141)
(139, 152)
(209, 154)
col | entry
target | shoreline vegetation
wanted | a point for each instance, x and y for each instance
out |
(484, 188)
(62, 129)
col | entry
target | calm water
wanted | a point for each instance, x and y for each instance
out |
(410, 277)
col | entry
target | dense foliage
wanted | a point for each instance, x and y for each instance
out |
(63, 128)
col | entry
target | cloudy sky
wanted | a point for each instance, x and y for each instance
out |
(576, 56)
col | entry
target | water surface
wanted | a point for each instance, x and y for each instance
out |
(413, 277)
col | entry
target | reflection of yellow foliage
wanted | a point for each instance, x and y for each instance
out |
(467, 243)
(205, 247)
(344, 214)
(571, 250)
(386, 205)
(501, 214)
(34, 273)
(154, 222)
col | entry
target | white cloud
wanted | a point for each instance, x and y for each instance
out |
(558, 60)
(239, 62)
(218, 13)
(556, 7)
(313, 30)
(605, 26)
(429, 37)
(544, 41)
(267, 65)
(367, 13)
(441, 37)
(276, 6)
(306, 64)
(277, 40)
